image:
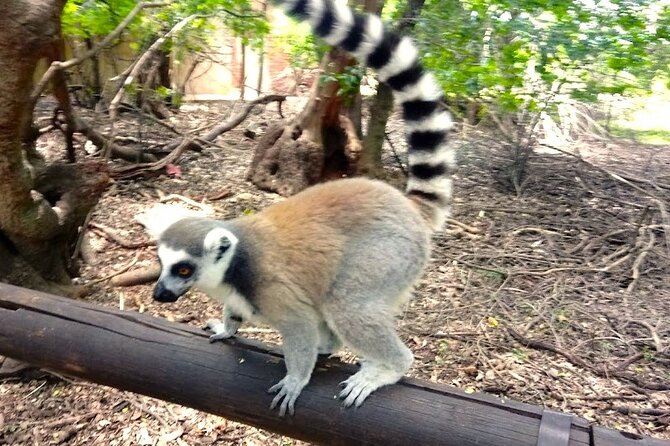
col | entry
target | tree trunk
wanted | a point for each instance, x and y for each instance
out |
(41, 213)
(96, 86)
(380, 110)
(318, 144)
(155, 75)
(382, 105)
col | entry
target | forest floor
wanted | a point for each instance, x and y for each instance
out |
(558, 297)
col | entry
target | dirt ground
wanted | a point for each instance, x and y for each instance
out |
(559, 297)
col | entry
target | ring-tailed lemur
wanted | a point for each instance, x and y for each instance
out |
(332, 263)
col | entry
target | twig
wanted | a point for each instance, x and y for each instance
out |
(639, 261)
(395, 154)
(541, 345)
(630, 360)
(225, 193)
(658, 345)
(62, 421)
(504, 210)
(230, 124)
(153, 119)
(189, 201)
(533, 229)
(116, 273)
(132, 399)
(640, 410)
(114, 236)
(139, 169)
(560, 269)
(471, 265)
(471, 229)
(80, 236)
(608, 397)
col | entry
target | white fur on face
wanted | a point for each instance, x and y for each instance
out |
(212, 270)
(169, 257)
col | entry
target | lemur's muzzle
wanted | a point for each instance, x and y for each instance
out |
(162, 294)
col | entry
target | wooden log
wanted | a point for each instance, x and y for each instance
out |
(176, 363)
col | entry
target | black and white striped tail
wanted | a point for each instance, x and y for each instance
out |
(396, 61)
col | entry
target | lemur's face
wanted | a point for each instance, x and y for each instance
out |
(181, 270)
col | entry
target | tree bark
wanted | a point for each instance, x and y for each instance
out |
(312, 147)
(42, 211)
(155, 74)
(96, 85)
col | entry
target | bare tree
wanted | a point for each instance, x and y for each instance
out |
(325, 140)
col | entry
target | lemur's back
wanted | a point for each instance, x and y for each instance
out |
(341, 226)
(346, 205)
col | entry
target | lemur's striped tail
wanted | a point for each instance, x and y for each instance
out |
(396, 61)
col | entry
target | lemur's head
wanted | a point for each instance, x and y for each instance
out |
(193, 252)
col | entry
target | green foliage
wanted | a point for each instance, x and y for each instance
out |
(86, 19)
(97, 18)
(349, 81)
(303, 48)
(512, 55)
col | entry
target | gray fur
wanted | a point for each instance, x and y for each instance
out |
(188, 235)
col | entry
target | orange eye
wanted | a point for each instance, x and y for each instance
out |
(184, 271)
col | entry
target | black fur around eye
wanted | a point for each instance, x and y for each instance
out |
(183, 270)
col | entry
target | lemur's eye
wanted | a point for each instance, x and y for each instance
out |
(184, 271)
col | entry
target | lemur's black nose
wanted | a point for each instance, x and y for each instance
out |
(162, 294)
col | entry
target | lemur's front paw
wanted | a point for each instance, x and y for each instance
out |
(288, 390)
(220, 329)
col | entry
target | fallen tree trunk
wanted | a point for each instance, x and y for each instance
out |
(174, 362)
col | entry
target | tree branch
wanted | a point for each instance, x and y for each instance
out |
(60, 66)
(142, 60)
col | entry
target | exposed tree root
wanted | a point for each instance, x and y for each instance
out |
(137, 276)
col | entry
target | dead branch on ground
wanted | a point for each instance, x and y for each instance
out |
(576, 360)
(112, 235)
(145, 168)
(230, 124)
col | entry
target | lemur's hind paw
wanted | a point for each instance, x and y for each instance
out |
(288, 390)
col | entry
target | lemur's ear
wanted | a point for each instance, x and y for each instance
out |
(218, 241)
